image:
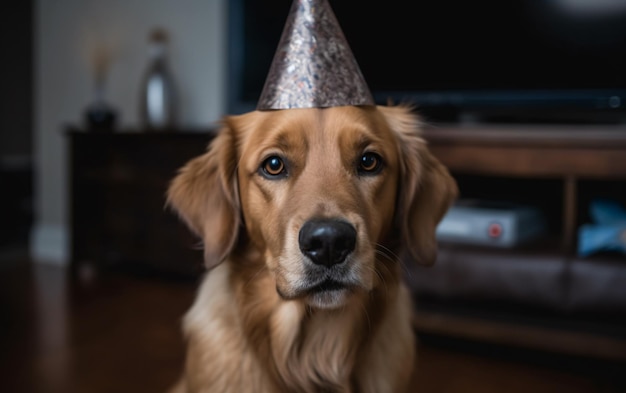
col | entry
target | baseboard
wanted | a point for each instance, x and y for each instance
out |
(50, 244)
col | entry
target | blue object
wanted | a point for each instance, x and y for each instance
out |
(607, 233)
(596, 238)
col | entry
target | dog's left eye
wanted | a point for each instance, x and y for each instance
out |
(273, 167)
(370, 164)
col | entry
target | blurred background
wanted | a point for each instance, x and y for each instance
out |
(524, 101)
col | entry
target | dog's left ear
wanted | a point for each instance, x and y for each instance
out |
(426, 188)
(205, 195)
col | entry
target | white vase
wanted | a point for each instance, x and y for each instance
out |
(158, 92)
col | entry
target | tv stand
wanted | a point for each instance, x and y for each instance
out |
(542, 295)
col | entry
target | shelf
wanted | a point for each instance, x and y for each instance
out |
(531, 151)
(548, 246)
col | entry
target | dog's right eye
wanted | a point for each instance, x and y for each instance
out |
(273, 167)
(370, 164)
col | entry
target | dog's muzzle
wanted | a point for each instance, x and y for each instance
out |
(327, 242)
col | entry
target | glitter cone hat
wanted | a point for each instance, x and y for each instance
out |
(313, 66)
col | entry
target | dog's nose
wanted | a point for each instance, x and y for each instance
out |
(327, 242)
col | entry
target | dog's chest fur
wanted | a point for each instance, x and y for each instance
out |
(267, 346)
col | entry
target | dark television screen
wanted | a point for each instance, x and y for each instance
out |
(519, 57)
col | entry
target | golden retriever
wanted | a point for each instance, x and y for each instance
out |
(303, 213)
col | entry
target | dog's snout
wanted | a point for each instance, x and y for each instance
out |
(327, 242)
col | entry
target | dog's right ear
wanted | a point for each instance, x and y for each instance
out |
(205, 195)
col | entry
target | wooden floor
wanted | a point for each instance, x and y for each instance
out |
(120, 333)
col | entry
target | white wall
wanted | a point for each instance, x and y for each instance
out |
(66, 34)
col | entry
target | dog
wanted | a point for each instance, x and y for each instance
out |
(304, 214)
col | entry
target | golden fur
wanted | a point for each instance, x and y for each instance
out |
(255, 326)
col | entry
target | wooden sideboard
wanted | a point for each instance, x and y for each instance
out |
(118, 183)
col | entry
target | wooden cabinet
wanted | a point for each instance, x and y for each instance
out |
(117, 200)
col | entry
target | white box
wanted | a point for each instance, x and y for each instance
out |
(497, 224)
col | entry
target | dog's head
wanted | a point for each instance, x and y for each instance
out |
(327, 196)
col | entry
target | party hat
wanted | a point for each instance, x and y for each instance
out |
(313, 66)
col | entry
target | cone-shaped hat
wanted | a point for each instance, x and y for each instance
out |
(313, 66)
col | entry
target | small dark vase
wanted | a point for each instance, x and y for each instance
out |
(100, 118)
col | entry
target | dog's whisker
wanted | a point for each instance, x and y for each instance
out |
(382, 278)
(386, 251)
(386, 256)
(391, 256)
(394, 260)
(383, 265)
(388, 270)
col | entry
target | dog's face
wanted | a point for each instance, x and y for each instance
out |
(318, 191)
(325, 195)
